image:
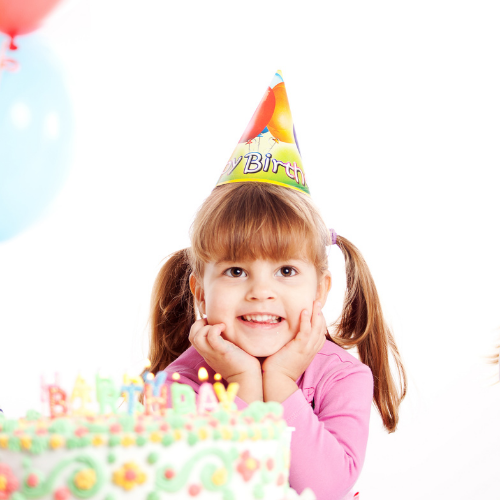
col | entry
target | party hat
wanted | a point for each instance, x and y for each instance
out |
(268, 150)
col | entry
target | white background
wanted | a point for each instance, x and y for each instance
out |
(397, 111)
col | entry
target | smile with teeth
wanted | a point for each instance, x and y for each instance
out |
(261, 318)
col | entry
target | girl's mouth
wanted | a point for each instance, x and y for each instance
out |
(264, 319)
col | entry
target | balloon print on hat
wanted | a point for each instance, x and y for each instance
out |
(36, 129)
(272, 115)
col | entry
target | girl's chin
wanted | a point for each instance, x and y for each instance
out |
(261, 353)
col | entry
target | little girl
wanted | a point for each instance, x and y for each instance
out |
(256, 277)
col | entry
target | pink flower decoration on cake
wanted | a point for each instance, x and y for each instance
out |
(81, 431)
(32, 480)
(139, 428)
(169, 474)
(8, 482)
(247, 465)
(194, 490)
(61, 493)
(115, 428)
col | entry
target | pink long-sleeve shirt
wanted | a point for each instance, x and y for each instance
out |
(330, 413)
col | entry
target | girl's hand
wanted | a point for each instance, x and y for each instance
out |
(233, 363)
(293, 358)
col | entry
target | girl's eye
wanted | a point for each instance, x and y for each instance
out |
(287, 271)
(235, 272)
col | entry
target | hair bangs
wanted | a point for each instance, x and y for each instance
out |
(249, 221)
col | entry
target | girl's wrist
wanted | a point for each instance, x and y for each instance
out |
(277, 386)
(250, 386)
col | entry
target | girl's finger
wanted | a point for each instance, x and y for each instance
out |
(305, 324)
(199, 339)
(318, 323)
(317, 316)
(214, 338)
(196, 327)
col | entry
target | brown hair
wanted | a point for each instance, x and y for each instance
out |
(258, 220)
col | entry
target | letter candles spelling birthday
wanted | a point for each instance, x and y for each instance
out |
(183, 398)
(206, 396)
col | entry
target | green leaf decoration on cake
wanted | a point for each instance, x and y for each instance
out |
(84, 481)
(257, 410)
(275, 408)
(167, 439)
(141, 440)
(14, 443)
(61, 426)
(222, 416)
(9, 425)
(33, 415)
(258, 491)
(17, 496)
(39, 444)
(176, 421)
(127, 422)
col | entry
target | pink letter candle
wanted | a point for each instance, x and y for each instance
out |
(206, 396)
(57, 402)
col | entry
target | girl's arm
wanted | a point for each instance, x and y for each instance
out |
(329, 442)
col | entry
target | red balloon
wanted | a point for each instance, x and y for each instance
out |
(18, 17)
(261, 117)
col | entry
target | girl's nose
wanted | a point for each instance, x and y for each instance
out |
(260, 289)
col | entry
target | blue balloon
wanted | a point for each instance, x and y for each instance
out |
(36, 130)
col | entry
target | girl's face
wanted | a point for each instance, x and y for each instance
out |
(260, 301)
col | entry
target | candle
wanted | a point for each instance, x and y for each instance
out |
(146, 371)
(183, 397)
(58, 405)
(206, 396)
(44, 391)
(81, 390)
(106, 394)
(226, 397)
(155, 393)
(131, 385)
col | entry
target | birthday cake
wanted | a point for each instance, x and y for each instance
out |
(180, 452)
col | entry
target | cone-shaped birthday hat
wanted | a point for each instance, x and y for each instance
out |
(268, 150)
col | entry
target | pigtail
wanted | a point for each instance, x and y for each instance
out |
(362, 324)
(172, 311)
